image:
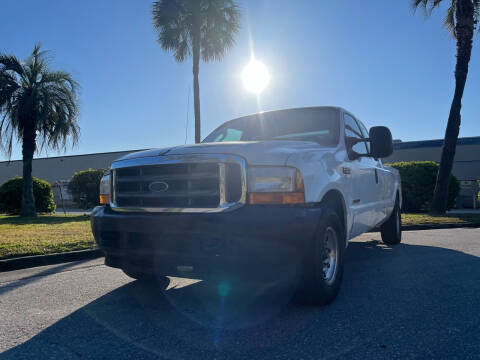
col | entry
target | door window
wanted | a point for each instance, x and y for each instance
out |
(365, 134)
(352, 130)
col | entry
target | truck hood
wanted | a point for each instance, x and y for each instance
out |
(274, 152)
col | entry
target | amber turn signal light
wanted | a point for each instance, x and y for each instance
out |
(276, 198)
(104, 199)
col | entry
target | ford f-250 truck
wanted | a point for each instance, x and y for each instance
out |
(301, 181)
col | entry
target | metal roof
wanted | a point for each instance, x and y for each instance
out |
(475, 140)
(74, 156)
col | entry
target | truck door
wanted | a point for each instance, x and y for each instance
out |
(384, 180)
(364, 181)
(387, 188)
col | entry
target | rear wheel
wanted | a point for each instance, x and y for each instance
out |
(323, 268)
(391, 229)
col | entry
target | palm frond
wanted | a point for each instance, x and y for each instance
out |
(40, 98)
(8, 87)
(427, 5)
(220, 25)
(476, 12)
(176, 22)
(449, 22)
(11, 63)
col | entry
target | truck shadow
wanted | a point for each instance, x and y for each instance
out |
(392, 298)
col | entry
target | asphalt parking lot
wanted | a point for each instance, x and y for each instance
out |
(420, 299)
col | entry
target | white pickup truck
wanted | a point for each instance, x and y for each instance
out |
(297, 183)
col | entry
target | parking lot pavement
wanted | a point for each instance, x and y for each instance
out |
(419, 299)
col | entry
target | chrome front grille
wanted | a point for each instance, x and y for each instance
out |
(197, 183)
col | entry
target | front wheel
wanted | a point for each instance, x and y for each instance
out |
(323, 267)
(391, 229)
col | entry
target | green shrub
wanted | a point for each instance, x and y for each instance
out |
(418, 185)
(478, 196)
(11, 196)
(85, 188)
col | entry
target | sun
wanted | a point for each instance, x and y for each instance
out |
(255, 76)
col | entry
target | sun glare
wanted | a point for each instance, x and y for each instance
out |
(255, 76)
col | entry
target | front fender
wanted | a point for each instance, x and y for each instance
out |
(323, 172)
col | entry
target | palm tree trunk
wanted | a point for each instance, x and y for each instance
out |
(464, 35)
(196, 86)
(28, 148)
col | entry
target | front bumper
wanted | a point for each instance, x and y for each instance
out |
(168, 243)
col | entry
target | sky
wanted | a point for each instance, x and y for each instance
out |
(376, 58)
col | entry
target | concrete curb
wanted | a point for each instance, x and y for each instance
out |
(438, 226)
(40, 260)
(433, 227)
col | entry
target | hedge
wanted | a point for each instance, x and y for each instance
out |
(85, 187)
(478, 196)
(11, 196)
(418, 185)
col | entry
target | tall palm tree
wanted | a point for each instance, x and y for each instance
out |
(200, 28)
(37, 107)
(461, 20)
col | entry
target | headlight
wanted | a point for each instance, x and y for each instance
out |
(275, 185)
(105, 189)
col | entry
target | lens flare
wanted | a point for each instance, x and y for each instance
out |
(224, 289)
(255, 76)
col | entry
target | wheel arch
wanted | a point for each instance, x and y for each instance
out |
(399, 196)
(335, 200)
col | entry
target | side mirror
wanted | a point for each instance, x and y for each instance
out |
(381, 144)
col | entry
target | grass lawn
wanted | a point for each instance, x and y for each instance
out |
(426, 219)
(45, 234)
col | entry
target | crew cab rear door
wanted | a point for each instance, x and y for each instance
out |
(364, 181)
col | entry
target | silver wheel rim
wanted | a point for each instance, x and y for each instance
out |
(330, 255)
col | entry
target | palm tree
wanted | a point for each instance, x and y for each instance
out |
(200, 28)
(37, 105)
(461, 20)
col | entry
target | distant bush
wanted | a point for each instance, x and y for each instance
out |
(11, 196)
(418, 185)
(478, 196)
(85, 188)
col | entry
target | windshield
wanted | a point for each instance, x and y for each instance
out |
(320, 125)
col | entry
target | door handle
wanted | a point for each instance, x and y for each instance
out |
(376, 176)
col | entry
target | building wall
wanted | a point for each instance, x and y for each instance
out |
(466, 165)
(60, 169)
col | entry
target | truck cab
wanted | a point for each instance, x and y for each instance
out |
(287, 185)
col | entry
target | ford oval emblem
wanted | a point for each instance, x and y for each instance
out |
(158, 186)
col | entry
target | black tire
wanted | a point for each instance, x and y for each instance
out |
(391, 229)
(318, 286)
